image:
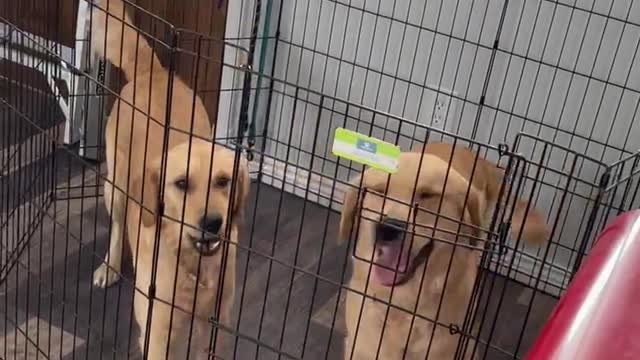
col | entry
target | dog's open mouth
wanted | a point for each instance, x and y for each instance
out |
(207, 244)
(393, 264)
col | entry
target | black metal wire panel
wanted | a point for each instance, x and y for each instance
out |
(543, 88)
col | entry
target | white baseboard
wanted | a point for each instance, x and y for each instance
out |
(301, 182)
(525, 270)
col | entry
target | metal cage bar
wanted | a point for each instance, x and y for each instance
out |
(499, 78)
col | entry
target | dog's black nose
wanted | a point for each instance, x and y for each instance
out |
(211, 223)
(390, 229)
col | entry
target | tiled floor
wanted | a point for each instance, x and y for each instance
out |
(49, 300)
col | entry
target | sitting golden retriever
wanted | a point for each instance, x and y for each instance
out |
(193, 248)
(397, 243)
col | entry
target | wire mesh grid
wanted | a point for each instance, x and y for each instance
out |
(545, 89)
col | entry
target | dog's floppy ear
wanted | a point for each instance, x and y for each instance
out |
(525, 218)
(242, 183)
(349, 208)
(476, 204)
(469, 200)
(151, 187)
(458, 188)
(530, 222)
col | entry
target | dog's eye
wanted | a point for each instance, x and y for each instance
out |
(221, 181)
(375, 191)
(182, 184)
(424, 195)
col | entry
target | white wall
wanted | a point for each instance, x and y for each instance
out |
(553, 75)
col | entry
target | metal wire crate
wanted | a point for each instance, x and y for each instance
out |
(526, 85)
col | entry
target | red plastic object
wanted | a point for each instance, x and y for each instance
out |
(598, 317)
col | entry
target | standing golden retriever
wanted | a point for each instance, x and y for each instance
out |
(394, 248)
(192, 249)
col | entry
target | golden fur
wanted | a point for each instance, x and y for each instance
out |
(463, 198)
(134, 142)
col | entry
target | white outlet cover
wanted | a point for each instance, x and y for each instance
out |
(444, 115)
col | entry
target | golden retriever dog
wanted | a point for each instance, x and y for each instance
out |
(397, 242)
(199, 240)
(193, 249)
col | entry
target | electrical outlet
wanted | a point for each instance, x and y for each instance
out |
(444, 115)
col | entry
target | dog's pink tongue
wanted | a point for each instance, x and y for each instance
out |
(390, 257)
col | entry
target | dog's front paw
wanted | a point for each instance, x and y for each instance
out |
(104, 276)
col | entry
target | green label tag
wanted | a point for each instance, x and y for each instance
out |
(366, 150)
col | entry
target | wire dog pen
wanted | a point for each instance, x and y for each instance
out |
(547, 89)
